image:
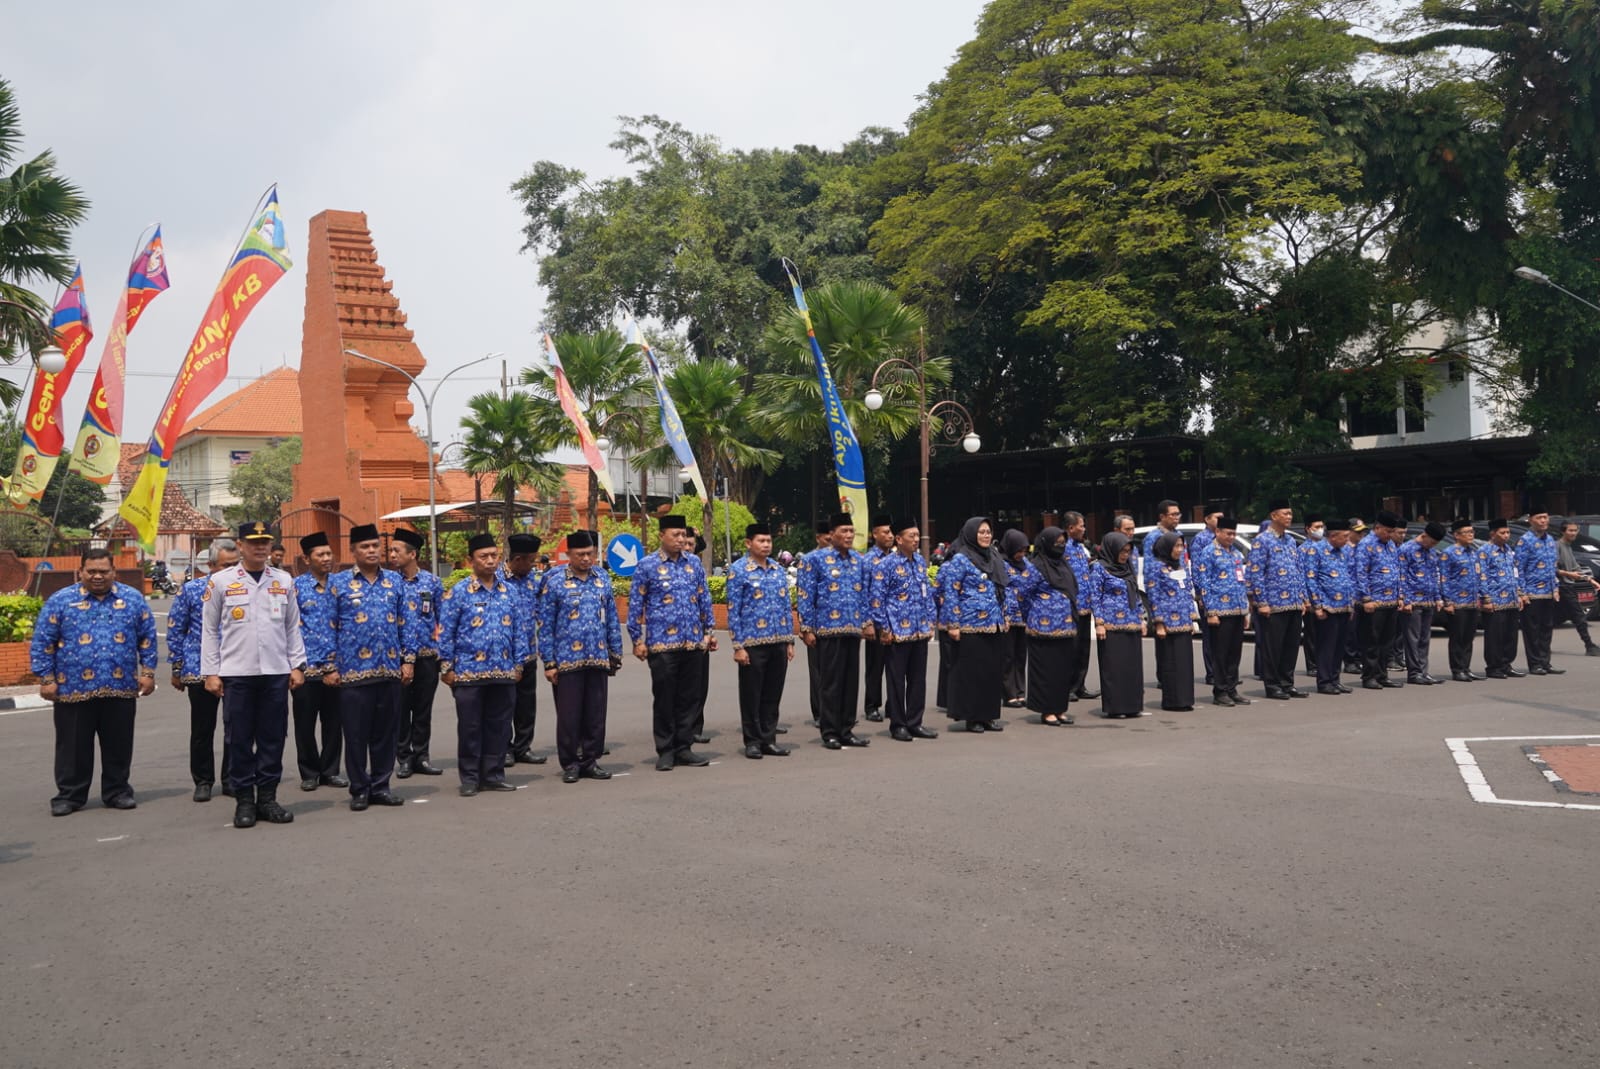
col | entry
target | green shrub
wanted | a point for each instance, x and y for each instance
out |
(18, 612)
(456, 576)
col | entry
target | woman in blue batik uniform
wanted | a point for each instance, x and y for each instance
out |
(1119, 625)
(1047, 597)
(1014, 644)
(1172, 608)
(972, 585)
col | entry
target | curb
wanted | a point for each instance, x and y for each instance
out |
(23, 701)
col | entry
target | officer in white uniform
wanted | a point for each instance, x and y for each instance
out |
(252, 654)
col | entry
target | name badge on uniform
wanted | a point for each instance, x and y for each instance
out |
(275, 608)
(1179, 575)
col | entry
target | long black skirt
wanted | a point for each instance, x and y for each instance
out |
(974, 688)
(1121, 674)
(1052, 671)
(1175, 656)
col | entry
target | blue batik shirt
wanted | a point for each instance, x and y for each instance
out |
(1147, 553)
(1078, 559)
(967, 600)
(1013, 609)
(1219, 576)
(1536, 565)
(1377, 572)
(1108, 597)
(1329, 580)
(94, 647)
(578, 627)
(1276, 576)
(669, 604)
(833, 592)
(316, 624)
(759, 613)
(183, 631)
(483, 632)
(424, 595)
(1502, 585)
(1461, 576)
(900, 597)
(526, 590)
(369, 617)
(1419, 575)
(1171, 593)
(1046, 611)
(1202, 538)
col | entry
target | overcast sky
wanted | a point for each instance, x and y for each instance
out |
(421, 115)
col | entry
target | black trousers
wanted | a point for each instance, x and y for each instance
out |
(1418, 637)
(813, 683)
(203, 735)
(1333, 636)
(315, 702)
(1227, 646)
(77, 725)
(1014, 670)
(876, 657)
(1500, 639)
(416, 709)
(581, 716)
(255, 723)
(760, 691)
(947, 660)
(1085, 646)
(1308, 639)
(1278, 643)
(705, 692)
(1463, 627)
(675, 692)
(1538, 627)
(1205, 645)
(1377, 633)
(483, 712)
(906, 664)
(525, 711)
(370, 715)
(839, 674)
(1569, 608)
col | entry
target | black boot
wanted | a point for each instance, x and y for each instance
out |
(267, 807)
(244, 807)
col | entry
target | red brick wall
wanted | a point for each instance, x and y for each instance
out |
(14, 664)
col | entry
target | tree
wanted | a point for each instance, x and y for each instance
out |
(81, 501)
(503, 439)
(608, 377)
(263, 483)
(38, 209)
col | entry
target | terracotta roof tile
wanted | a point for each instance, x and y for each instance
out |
(269, 407)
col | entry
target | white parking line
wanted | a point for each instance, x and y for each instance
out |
(113, 839)
(1478, 784)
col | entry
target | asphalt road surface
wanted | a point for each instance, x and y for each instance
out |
(1290, 884)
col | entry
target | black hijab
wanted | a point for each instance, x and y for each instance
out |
(1052, 562)
(1111, 547)
(989, 562)
(1012, 543)
(1163, 550)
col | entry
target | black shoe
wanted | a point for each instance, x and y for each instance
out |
(595, 772)
(358, 802)
(1418, 681)
(423, 767)
(1371, 684)
(853, 740)
(1086, 694)
(1492, 674)
(1239, 699)
(976, 727)
(1328, 688)
(60, 807)
(527, 757)
(1016, 703)
(1462, 677)
(385, 798)
(569, 775)
(1344, 689)
(1222, 700)
(780, 729)
(1352, 668)
(664, 762)
(995, 725)
(1277, 695)
(689, 757)
(244, 811)
(307, 784)
(202, 792)
(769, 750)
(1476, 678)
(900, 735)
(832, 744)
(1432, 681)
(486, 785)
(1592, 651)
(122, 801)
(1296, 692)
(334, 780)
(1538, 670)
(268, 809)
(467, 790)
(1515, 673)
(1553, 670)
(701, 740)
(875, 715)
(227, 791)
(402, 768)
(1389, 684)
(753, 752)
(923, 733)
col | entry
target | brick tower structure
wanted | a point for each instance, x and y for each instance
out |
(361, 456)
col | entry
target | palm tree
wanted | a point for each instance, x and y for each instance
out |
(502, 439)
(38, 209)
(717, 419)
(608, 376)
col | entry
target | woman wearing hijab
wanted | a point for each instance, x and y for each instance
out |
(1014, 640)
(1047, 596)
(1172, 611)
(1118, 625)
(972, 591)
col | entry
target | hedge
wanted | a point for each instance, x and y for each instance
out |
(18, 614)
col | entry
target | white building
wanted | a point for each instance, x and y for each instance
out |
(222, 437)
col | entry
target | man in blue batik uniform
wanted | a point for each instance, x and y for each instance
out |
(1536, 555)
(1078, 559)
(1461, 587)
(522, 553)
(902, 610)
(314, 701)
(94, 651)
(833, 610)
(423, 594)
(1421, 597)
(1219, 581)
(1503, 602)
(183, 652)
(1276, 578)
(882, 536)
(1378, 597)
(670, 622)
(1332, 591)
(761, 625)
(483, 651)
(580, 643)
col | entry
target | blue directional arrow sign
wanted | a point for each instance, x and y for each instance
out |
(623, 554)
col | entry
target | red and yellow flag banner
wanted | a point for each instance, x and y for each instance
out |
(41, 430)
(260, 259)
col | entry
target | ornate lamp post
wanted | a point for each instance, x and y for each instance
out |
(957, 423)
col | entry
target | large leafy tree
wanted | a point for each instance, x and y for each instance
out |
(502, 439)
(38, 209)
(73, 501)
(263, 483)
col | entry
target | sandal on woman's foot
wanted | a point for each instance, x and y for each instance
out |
(1050, 721)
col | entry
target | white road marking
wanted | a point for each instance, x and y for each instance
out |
(113, 839)
(419, 801)
(522, 786)
(1478, 785)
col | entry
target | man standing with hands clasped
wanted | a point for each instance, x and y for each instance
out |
(252, 655)
(761, 623)
(833, 618)
(183, 650)
(580, 642)
(1277, 585)
(670, 622)
(423, 594)
(483, 652)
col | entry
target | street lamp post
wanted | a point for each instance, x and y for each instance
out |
(958, 424)
(1538, 277)
(427, 409)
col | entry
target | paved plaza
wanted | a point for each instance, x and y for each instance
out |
(1326, 882)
